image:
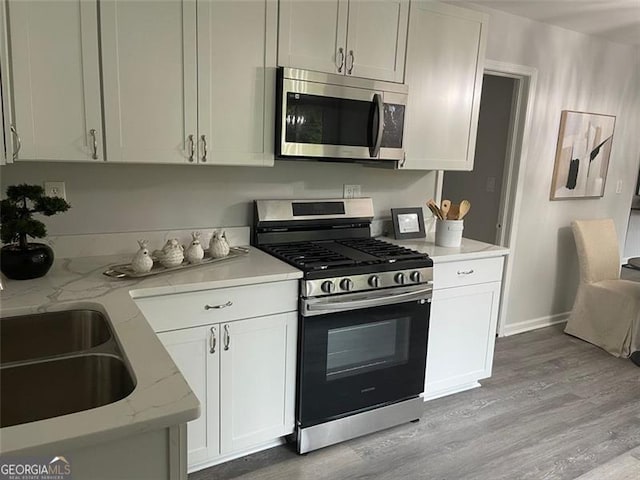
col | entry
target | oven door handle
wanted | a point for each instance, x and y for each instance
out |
(378, 300)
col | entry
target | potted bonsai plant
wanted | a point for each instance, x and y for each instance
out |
(19, 258)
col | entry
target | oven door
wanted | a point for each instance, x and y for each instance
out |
(354, 359)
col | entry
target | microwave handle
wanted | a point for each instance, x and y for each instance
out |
(379, 105)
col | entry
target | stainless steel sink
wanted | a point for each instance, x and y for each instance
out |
(39, 390)
(41, 335)
(58, 363)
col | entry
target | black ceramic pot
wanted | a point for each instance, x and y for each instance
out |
(22, 264)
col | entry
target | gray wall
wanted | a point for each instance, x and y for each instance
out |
(491, 145)
(128, 198)
(575, 72)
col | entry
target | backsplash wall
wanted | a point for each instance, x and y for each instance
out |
(126, 198)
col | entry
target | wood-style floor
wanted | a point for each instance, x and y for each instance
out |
(555, 408)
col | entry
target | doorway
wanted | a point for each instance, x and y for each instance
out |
(520, 88)
(483, 185)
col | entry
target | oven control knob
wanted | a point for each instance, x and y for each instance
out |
(374, 281)
(416, 276)
(327, 286)
(399, 278)
(346, 284)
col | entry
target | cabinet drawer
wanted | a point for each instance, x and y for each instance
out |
(467, 272)
(183, 310)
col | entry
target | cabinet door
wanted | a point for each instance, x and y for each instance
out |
(236, 81)
(445, 61)
(55, 79)
(313, 34)
(6, 152)
(462, 334)
(149, 70)
(377, 39)
(191, 350)
(257, 380)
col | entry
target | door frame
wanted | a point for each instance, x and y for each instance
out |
(515, 168)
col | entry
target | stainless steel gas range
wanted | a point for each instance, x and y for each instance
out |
(363, 317)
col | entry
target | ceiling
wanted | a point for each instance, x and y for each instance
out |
(615, 20)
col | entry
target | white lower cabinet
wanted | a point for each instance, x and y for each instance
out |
(243, 373)
(190, 349)
(462, 329)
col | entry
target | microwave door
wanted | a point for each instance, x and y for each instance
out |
(325, 121)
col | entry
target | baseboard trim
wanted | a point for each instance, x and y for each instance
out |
(534, 324)
(232, 456)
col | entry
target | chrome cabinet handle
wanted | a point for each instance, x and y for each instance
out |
(227, 337)
(465, 272)
(404, 160)
(353, 59)
(18, 142)
(340, 62)
(218, 307)
(192, 148)
(212, 341)
(204, 148)
(92, 132)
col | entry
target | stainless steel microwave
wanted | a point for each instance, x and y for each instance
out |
(320, 115)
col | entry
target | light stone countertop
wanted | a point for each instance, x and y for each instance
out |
(468, 249)
(161, 397)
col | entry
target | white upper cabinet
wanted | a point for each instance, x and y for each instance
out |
(149, 68)
(55, 78)
(362, 38)
(6, 150)
(236, 81)
(444, 68)
(313, 34)
(377, 39)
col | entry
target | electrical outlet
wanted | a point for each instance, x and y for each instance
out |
(55, 189)
(351, 191)
(619, 187)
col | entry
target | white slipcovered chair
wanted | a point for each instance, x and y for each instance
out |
(606, 311)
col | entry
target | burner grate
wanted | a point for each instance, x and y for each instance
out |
(385, 251)
(309, 255)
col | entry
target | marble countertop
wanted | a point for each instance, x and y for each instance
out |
(468, 249)
(161, 397)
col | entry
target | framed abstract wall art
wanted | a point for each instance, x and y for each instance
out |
(582, 155)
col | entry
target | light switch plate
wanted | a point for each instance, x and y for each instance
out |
(55, 189)
(619, 186)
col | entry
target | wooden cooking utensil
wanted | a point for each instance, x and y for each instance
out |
(444, 207)
(435, 209)
(453, 212)
(465, 206)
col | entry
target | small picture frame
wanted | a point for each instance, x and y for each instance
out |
(407, 223)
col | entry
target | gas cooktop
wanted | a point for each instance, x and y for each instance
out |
(355, 252)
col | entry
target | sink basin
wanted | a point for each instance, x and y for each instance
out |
(38, 390)
(57, 363)
(30, 337)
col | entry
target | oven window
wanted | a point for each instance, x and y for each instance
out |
(358, 349)
(320, 120)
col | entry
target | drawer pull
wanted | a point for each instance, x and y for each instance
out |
(465, 272)
(212, 341)
(217, 307)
